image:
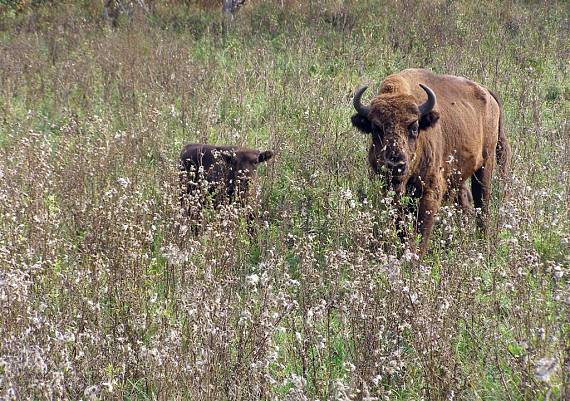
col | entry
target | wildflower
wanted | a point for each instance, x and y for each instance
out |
(91, 392)
(252, 279)
(557, 271)
(408, 256)
(297, 381)
(544, 368)
(346, 194)
(413, 297)
(123, 181)
(377, 379)
(349, 366)
(173, 111)
(109, 386)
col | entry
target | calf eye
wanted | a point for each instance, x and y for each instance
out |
(413, 129)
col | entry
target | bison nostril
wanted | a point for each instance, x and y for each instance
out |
(396, 160)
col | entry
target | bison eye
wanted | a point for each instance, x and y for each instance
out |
(413, 129)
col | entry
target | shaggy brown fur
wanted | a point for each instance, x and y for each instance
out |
(431, 156)
(226, 170)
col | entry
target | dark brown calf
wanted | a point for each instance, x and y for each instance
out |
(225, 172)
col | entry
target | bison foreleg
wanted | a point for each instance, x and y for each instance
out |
(465, 200)
(427, 209)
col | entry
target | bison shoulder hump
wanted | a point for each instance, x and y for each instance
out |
(478, 92)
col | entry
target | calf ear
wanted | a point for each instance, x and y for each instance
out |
(362, 123)
(429, 120)
(264, 156)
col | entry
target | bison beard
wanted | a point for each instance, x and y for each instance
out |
(431, 133)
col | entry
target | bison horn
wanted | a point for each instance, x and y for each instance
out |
(430, 102)
(360, 108)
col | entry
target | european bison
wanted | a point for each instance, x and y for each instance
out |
(225, 171)
(430, 133)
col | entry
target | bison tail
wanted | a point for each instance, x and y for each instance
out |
(503, 148)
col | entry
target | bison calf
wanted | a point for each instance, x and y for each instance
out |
(224, 173)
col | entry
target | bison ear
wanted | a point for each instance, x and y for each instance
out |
(361, 123)
(264, 156)
(429, 119)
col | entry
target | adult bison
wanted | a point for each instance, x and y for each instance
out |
(430, 133)
(223, 172)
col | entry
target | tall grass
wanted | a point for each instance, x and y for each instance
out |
(106, 294)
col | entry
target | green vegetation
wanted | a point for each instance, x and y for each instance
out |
(106, 294)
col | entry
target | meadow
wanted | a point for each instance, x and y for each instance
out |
(105, 293)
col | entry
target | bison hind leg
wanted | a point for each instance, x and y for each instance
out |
(481, 190)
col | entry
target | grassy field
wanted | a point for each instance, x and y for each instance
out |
(106, 294)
